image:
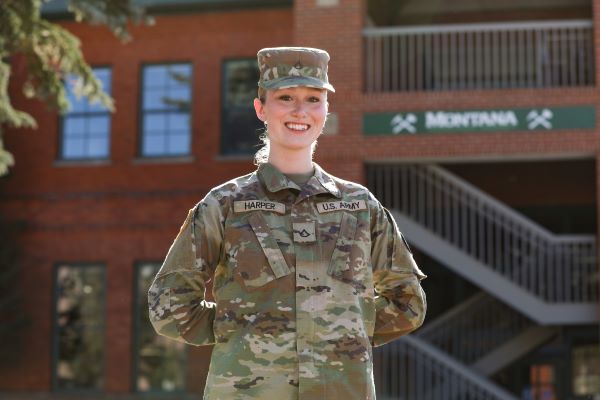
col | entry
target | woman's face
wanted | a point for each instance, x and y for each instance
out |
(294, 117)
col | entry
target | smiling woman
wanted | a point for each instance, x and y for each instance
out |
(309, 271)
(294, 119)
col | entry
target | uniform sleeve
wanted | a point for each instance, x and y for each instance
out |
(176, 299)
(400, 302)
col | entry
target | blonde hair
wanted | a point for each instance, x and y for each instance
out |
(262, 155)
(262, 94)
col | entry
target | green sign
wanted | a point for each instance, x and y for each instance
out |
(515, 119)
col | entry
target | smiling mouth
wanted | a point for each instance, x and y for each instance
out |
(297, 127)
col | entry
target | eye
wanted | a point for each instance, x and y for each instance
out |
(285, 97)
(314, 99)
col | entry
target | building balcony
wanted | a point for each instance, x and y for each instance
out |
(474, 56)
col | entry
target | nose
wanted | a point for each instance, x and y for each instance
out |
(299, 110)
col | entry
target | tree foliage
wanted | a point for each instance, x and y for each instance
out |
(51, 54)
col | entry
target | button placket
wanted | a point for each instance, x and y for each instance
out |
(305, 300)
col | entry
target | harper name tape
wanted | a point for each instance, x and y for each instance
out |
(253, 205)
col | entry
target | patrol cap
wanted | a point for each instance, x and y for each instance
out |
(285, 67)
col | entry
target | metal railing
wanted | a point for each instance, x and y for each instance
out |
(410, 369)
(479, 56)
(555, 268)
(475, 327)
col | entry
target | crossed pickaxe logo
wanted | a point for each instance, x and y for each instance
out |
(537, 119)
(400, 123)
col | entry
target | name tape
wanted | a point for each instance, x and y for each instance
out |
(253, 205)
(330, 206)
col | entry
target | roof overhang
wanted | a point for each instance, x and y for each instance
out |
(57, 9)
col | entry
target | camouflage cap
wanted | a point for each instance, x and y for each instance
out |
(284, 67)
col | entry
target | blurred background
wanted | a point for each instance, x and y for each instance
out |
(473, 121)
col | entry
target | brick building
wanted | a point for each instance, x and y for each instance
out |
(475, 122)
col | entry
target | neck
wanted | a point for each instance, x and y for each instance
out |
(295, 163)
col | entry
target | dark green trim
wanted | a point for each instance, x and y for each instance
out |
(531, 119)
(167, 7)
(54, 8)
(57, 9)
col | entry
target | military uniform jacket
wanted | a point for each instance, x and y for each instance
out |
(306, 281)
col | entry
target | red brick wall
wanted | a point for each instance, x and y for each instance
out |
(129, 210)
(126, 210)
(338, 29)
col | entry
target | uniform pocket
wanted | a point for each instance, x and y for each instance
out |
(340, 264)
(261, 261)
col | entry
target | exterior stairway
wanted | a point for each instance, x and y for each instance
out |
(532, 281)
(553, 279)
(452, 356)
(478, 331)
(412, 369)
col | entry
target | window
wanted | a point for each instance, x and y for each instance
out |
(542, 382)
(85, 129)
(160, 362)
(240, 128)
(78, 362)
(166, 102)
(586, 370)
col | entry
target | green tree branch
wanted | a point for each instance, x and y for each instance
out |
(52, 54)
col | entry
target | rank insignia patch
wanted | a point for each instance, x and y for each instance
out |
(304, 232)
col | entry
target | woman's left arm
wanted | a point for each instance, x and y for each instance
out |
(400, 301)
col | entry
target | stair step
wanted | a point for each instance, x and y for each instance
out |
(514, 349)
(497, 285)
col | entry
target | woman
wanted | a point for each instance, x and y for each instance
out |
(309, 270)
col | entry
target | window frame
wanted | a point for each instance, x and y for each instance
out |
(582, 336)
(61, 126)
(222, 154)
(55, 328)
(141, 112)
(135, 340)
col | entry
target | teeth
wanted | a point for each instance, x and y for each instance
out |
(297, 127)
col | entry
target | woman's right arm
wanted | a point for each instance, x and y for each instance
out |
(176, 299)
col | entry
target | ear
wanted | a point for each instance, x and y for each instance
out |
(260, 110)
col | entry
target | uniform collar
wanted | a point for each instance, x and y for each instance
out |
(326, 181)
(320, 182)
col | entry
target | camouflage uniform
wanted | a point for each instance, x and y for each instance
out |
(306, 281)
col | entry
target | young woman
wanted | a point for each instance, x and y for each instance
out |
(309, 271)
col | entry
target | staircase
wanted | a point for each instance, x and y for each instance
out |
(532, 280)
(553, 279)
(453, 356)
(412, 369)
(472, 329)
